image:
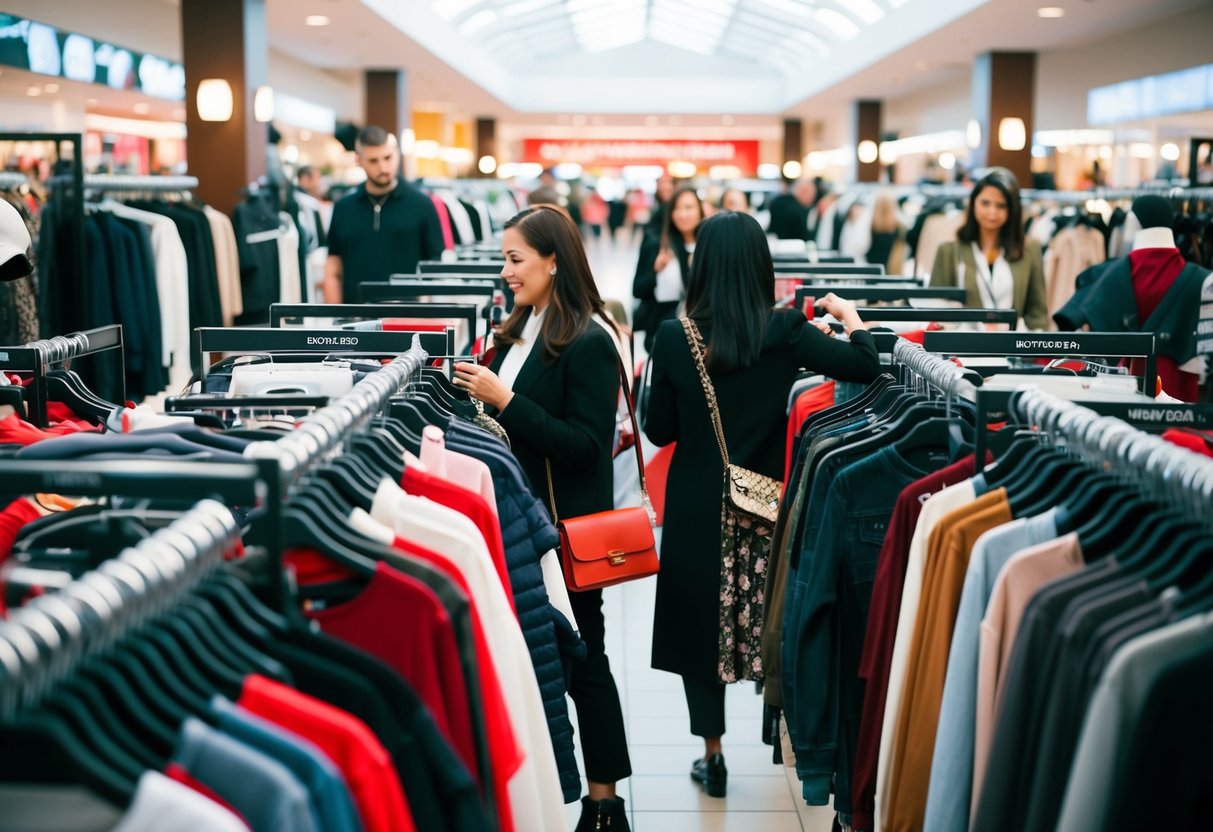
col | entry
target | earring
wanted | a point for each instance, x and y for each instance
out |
(553, 270)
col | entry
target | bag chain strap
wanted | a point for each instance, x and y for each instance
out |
(695, 339)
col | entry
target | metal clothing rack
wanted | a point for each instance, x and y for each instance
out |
(937, 372)
(281, 312)
(123, 182)
(879, 292)
(804, 267)
(1164, 470)
(477, 267)
(39, 357)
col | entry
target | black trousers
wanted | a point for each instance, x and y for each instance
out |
(705, 701)
(604, 743)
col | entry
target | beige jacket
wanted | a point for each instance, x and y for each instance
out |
(1027, 273)
(1070, 252)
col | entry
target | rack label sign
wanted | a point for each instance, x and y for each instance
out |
(332, 341)
(1043, 344)
(1162, 414)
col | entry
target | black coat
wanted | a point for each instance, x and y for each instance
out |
(650, 312)
(566, 412)
(753, 409)
(789, 219)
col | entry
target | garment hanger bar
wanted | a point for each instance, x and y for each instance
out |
(125, 182)
(39, 357)
(478, 267)
(879, 293)
(280, 312)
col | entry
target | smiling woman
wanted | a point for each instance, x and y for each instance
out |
(555, 386)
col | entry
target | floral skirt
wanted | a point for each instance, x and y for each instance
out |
(745, 548)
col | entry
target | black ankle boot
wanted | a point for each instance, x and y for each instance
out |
(711, 775)
(607, 814)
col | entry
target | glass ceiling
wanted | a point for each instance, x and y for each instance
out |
(635, 56)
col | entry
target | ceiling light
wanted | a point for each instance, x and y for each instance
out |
(142, 108)
(768, 171)
(1105, 152)
(868, 11)
(1141, 150)
(214, 99)
(887, 153)
(947, 161)
(51, 89)
(263, 104)
(973, 134)
(524, 6)
(791, 169)
(724, 172)
(682, 170)
(567, 170)
(33, 92)
(838, 23)
(316, 20)
(1169, 151)
(1050, 12)
(450, 9)
(1012, 134)
(476, 22)
(867, 152)
(486, 165)
(425, 149)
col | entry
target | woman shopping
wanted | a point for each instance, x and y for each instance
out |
(554, 385)
(664, 263)
(752, 355)
(990, 258)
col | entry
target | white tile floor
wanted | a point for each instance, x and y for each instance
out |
(660, 795)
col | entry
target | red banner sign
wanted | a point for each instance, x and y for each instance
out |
(615, 153)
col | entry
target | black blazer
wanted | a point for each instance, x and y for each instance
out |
(565, 412)
(650, 312)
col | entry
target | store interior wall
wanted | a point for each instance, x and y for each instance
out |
(944, 106)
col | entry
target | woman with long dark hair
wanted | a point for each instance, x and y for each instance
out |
(753, 356)
(554, 385)
(665, 263)
(991, 259)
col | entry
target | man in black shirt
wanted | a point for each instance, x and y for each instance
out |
(382, 227)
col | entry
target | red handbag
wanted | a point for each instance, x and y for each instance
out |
(608, 547)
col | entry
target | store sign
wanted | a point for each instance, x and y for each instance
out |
(1185, 91)
(613, 153)
(37, 47)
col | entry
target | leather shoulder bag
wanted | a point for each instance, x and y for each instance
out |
(608, 547)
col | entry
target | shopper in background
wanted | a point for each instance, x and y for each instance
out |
(594, 211)
(791, 209)
(546, 193)
(888, 246)
(665, 263)
(308, 180)
(663, 192)
(990, 258)
(383, 227)
(734, 199)
(753, 355)
(554, 385)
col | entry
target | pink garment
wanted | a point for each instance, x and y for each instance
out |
(1022, 576)
(464, 471)
(444, 220)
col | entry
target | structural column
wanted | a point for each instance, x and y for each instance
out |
(387, 103)
(1002, 100)
(793, 141)
(224, 40)
(486, 144)
(867, 129)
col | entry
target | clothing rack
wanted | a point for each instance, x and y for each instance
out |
(937, 372)
(1113, 445)
(798, 267)
(476, 267)
(39, 357)
(880, 293)
(124, 182)
(144, 580)
(12, 179)
(1033, 194)
(281, 312)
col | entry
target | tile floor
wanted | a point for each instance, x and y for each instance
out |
(660, 795)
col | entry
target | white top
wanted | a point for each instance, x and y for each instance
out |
(670, 283)
(1154, 238)
(517, 356)
(933, 510)
(997, 286)
(535, 794)
(164, 805)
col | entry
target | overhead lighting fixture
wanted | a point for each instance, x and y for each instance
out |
(408, 140)
(947, 161)
(973, 134)
(33, 92)
(768, 171)
(214, 99)
(425, 149)
(50, 89)
(841, 26)
(316, 20)
(791, 169)
(1105, 152)
(1050, 12)
(1012, 134)
(263, 104)
(476, 22)
(868, 11)
(1141, 150)
(1169, 151)
(887, 153)
(142, 108)
(486, 165)
(681, 170)
(525, 6)
(724, 172)
(867, 152)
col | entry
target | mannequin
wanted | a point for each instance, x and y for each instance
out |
(14, 243)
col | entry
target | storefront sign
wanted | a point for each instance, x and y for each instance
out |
(37, 47)
(612, 153)
(1185, 91)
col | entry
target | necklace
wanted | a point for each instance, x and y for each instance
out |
(378, 205)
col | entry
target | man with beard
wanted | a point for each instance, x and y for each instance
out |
(382, 227)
